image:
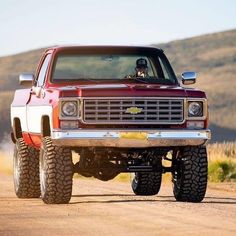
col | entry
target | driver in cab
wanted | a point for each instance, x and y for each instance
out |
(141, 68)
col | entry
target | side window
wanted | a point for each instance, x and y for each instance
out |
(43, 70)
(165, 73)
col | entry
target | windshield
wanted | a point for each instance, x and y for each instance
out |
(75, 68)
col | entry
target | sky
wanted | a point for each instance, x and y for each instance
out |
(32, 24)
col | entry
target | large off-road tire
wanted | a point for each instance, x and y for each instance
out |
(190, 176)
(26, 170)
(146, 183)
(56, 173)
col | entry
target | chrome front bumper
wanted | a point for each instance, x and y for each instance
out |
(130, 138)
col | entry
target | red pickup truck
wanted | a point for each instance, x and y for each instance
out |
(121, 109)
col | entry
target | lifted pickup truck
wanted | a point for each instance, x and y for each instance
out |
(121, 109)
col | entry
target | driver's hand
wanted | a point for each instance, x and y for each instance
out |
(128, 76)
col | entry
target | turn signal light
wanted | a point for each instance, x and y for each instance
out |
(195, 124)
(72, 124)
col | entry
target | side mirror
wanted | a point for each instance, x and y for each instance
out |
(189, 77)
(26, 79)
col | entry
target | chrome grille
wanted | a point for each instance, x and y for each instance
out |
(114, 111)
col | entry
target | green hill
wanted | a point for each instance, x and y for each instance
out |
(213, 56)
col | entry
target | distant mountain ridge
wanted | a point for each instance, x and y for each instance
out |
(213, 56)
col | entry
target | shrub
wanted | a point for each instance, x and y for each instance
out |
(222, 170)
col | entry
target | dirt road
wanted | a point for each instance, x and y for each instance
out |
(110, 208)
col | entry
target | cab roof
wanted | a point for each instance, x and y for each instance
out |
(104, 49)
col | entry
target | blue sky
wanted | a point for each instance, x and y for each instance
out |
(31, 24)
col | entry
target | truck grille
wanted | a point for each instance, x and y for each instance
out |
(133, 111)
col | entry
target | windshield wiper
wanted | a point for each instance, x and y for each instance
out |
(140, 79)
(88, 79)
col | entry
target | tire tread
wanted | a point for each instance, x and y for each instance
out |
(28, 183)
(147, 183)
(193, 182)
(59, 173)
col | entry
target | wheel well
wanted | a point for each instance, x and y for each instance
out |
(17, 131)
(45, 126)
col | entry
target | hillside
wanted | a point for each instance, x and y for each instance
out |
(10, 68)
(213, 56)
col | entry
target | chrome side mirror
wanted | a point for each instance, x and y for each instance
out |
(189, 77)
(26, 79)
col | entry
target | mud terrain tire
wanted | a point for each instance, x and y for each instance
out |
(145, 183)
(190, 178)
(56, 173)
(26, 170)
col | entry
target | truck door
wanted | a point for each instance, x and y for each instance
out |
(37, 106)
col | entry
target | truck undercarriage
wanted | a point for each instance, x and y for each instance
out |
(105, 164)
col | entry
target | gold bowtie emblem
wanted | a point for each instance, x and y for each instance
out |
(133, 110)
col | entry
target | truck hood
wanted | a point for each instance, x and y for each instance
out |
(129, 90)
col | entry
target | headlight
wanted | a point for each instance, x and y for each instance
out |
(195, 109)
(69, 108)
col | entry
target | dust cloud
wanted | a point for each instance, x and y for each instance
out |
(6, 155)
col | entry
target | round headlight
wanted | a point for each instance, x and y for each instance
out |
(195, 109)
(69, 109)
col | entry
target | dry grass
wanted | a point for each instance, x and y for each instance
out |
(219, 151)
(222, 162)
